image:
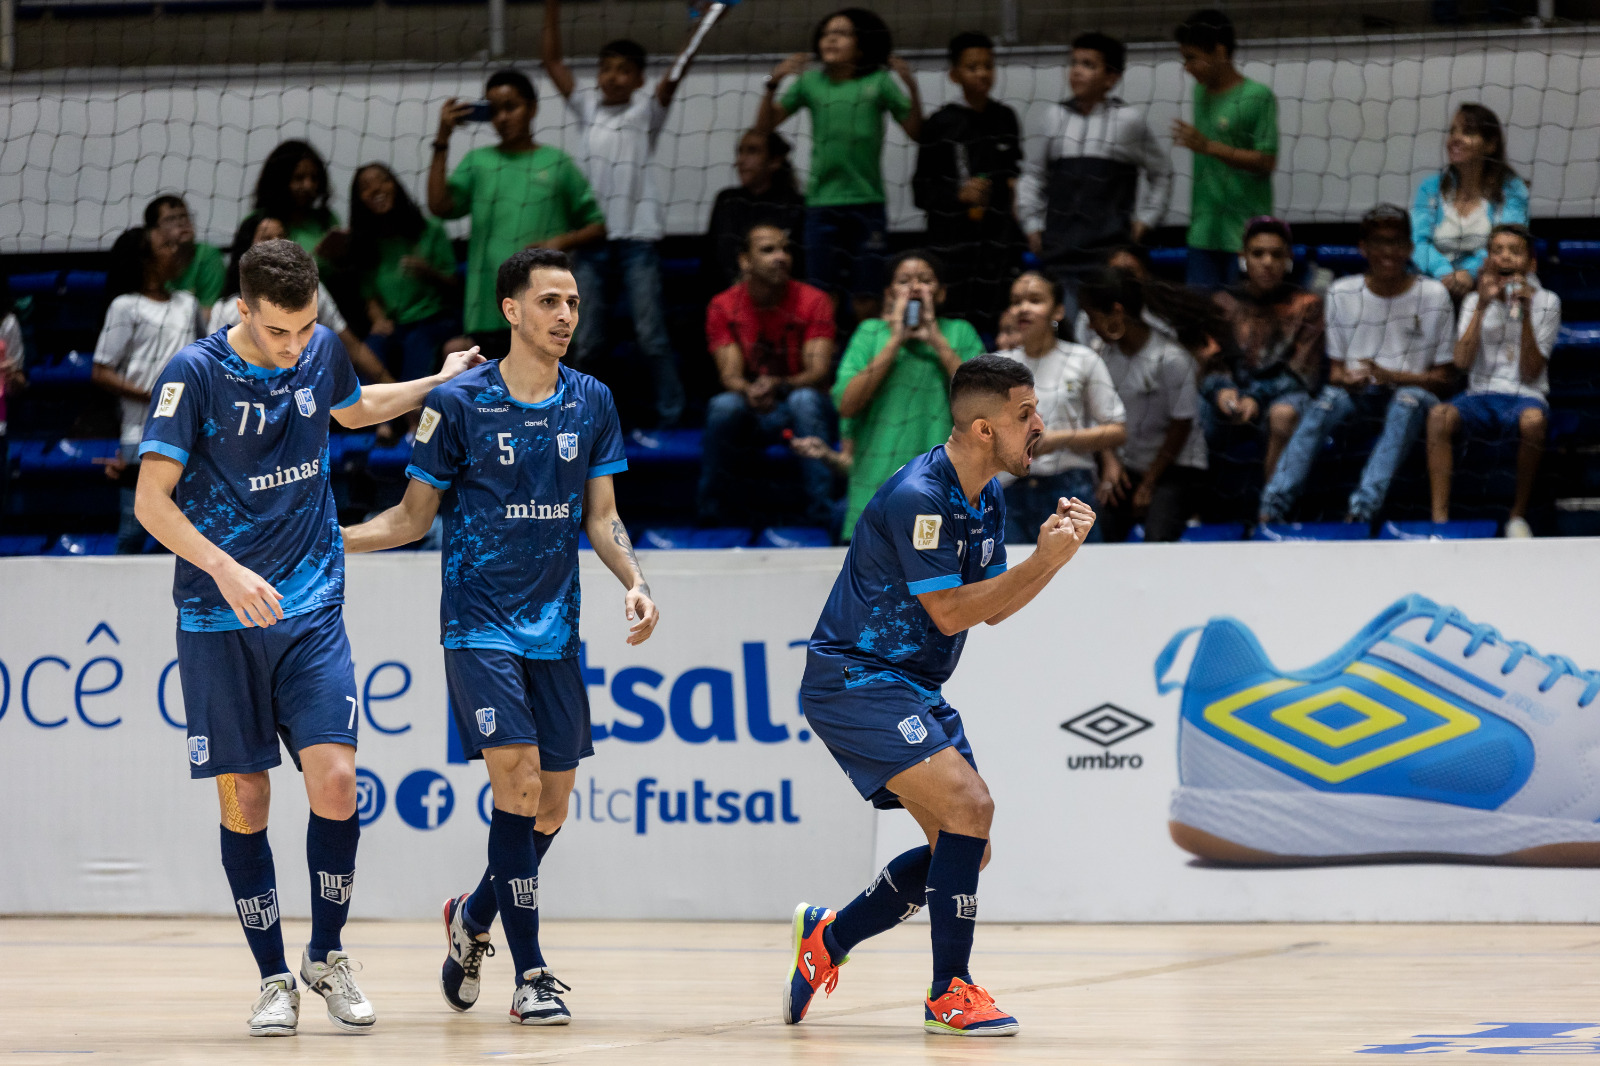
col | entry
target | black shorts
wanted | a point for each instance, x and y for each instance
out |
(500, 698)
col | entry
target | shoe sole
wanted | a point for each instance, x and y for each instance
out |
(449, 945)
(1261, 827)
(794, 967)
(560, 1019)
(338, 1022)
(273, 1030)
(941, 1029)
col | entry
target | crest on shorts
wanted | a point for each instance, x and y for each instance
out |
(567, 445)
(913, 730)
(306, 401)
(335, 888)
(171, 393)
(485, 716)
(525, 892)
(199, 750)
(925, 533)
(259, 912)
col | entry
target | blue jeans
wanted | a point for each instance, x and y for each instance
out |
(639, 266)
(735, 437)
(412, 350)
(847, 248)
(1404, 412)
(1207, 268)
(1030, 500)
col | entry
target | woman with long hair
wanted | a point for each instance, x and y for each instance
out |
(1455, 209)
(293, 188)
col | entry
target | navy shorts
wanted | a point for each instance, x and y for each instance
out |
(1493, 415)
(877, 724)
(243, 689)
(499, 698)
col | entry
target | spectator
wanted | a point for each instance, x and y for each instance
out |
(1508, 328)
(1133, 259)
(1082, 413)
(203, 272)
(407, 272)
(894, 378)
(519, 194)
(619, 126)
(846, 235)
(225, 314)
(1235, 144)
(1161, 469)
(146, 324)
(1080, 197)
(293, 188)
(1276, 356)
(13, 376)
(1390, 346)
(1007, 335)
(966, 181)
(1455, 209)
(766, 194)
(772, 339)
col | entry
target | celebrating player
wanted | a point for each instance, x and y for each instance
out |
(927, 562)
(521, 454)
(238, 427)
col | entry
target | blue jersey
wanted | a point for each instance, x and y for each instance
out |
(513, 476)
(254, 447)
(918, 534)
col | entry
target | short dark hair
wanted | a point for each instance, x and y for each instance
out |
(1277, 227)
(873, 40)
(1108, 287)
(1205, 29)
(1112, 51)
(513, 278)
(1058, 291)
(750, 231)
(934, 263)
(1386, 216)
(988, 375)
(969, 39)
(279, 272)
(1516, 229)
(152, 211)
(625, 49)
(516, 80)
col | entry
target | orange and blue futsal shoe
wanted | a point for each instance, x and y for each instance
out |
(966, 1010)
(813, 967)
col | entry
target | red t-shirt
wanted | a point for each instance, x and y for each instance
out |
(771, 338)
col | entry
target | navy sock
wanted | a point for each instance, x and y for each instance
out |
(247, 859)
(481, 906)
(894, 895)
(331, 858)
(515, 864)
(953, 906)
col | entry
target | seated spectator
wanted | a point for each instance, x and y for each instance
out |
(967, 168)
(1455, 209)
(225, 314)
(146, 325)
(1274, 363)
(293, 188)
(1161, 468)
(1083, 415)
(766, 194)
(1007, 335)
(518, 193)
(1508, 329)
(1390, 341)
(894, 379)
(1131, 259)
(203, 272)
(772, 339)
(407, 273)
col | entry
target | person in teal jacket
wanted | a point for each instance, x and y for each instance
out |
(1455, 209)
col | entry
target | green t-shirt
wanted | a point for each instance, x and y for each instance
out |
(205, 276)
(846, 133)
(515, 200)
(909, 413)
(405, 296)
(309, 234)
(1224, 198)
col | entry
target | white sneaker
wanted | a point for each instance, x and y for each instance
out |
(335, 982)
(277, 1009)
(536, 1002)
(1518, 529)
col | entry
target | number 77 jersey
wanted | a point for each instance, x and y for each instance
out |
(253, 443)
(513, 477)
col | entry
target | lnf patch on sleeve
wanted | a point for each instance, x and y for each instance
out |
(429, 423)
(925, 534)
(171, 393)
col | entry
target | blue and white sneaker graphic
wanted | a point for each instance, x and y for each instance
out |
(1426, 735)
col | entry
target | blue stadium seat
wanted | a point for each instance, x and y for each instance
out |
(68, 455)
(344, 447)
(84, 544)
(1169, 257)
(22, 544)
(1578, 253)
(74, 368)
(29, 454)
(583, 541)
(84, 282)
(1579, 335)
(793, 537)
(666, 538)
(1476, 529)
(33, 284)
(1286, 531)
(1341, 258)
(1216, 532)
(663, 446)
(390, 459)
(720, 538)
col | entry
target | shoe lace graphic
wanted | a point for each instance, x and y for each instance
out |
(979, 999)
(275, 996)
(1559, 665)
(339, 979)
(473, 959)
(547, 984)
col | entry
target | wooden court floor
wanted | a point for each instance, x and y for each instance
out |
(177, 991)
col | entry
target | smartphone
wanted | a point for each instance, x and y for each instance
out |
(913, 314)
(480, 112)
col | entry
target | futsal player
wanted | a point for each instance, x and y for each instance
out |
(927, 563)
(520, 453)
(238, 429)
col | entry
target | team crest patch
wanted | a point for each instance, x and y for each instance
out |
(485, 716)
(988, 551)
(966, 906)
(913, 730)
(525, 892)
(199, 750)
(259, 912)
(925, 533)
(306, 401)
(429, 423)
(567, 445)
(336, 888)
(171, 393)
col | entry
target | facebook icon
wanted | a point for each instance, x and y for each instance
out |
(424, 800)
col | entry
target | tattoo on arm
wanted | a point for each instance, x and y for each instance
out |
(619, 536)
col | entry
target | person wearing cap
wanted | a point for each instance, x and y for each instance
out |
(1265, 379)
(1390, 343)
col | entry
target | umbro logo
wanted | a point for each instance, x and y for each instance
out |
(1106, 725)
